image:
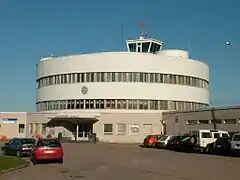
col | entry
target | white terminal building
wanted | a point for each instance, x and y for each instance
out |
(120, 96)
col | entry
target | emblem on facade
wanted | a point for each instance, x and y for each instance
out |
(84, 90)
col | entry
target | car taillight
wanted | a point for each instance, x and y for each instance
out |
(25, 147)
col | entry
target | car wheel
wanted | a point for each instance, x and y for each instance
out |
(208, 149)
(4, 152)
(19, 154)
(202, 150)
(154, 145)
(34, 161)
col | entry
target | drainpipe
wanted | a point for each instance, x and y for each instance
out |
(214, 118)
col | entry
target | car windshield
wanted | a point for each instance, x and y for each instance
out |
(225, 135)
(48, 143)
(236, 137)
(27, 141)
(163, 138)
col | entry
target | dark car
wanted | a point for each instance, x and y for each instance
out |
(47, 150)
(18, 147)
(151, 140)
(187, 145)
(174, 142)
(221, 146)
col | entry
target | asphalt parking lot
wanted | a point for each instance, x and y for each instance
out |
(115, 161)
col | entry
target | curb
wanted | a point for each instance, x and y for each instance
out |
(26, 164)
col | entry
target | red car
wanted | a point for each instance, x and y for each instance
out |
(47, 150)
(151, 140)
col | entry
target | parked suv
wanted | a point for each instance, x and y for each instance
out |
(203, 138)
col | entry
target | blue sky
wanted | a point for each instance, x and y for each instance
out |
(30, 30)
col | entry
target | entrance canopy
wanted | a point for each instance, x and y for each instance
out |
(73, 119)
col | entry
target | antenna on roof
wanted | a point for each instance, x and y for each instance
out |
(142, 30)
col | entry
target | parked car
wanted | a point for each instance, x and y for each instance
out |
(221, 146)
(151, 140)
(186, 145)
(18, 147)
(47, 150)
(163, 141)
(235, 144)
(204, 137)
(174, 142)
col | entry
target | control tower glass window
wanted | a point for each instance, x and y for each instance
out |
(132, 47)
(154, 48)
(145, 46)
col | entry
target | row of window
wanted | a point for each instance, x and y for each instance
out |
(123, 129)
(118, 104)
(108, 129)
(122, 77)
(217, 121)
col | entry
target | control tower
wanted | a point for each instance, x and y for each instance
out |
(144, 44)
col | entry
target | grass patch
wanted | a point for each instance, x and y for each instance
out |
(8, 162)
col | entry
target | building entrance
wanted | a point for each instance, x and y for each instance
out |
(84, 130)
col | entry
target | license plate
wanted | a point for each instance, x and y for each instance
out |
(48, 152)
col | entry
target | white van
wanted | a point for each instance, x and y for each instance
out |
(202, 137)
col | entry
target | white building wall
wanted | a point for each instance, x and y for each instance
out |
(124, 91)
(123, 62)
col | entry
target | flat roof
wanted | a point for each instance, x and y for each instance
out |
(204, 109)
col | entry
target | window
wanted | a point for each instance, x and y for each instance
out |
(134, 129)
(206, 135)
(230, 121)
(216, 121)
(236, 137)
(21, 128)
(203, 121)
(224, 135)
(120, 104)
(121, 128)
(108, 129)
(147, 128)
(191, 122)
(216, 135)
(48, 143)
(122, 77)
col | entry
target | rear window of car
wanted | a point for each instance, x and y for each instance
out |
(236, 138)
(27, 141)
(163, 138)
(147, 137)
(225, 135)
(48, 143)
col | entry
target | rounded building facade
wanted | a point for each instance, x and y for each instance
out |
(123, 85)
